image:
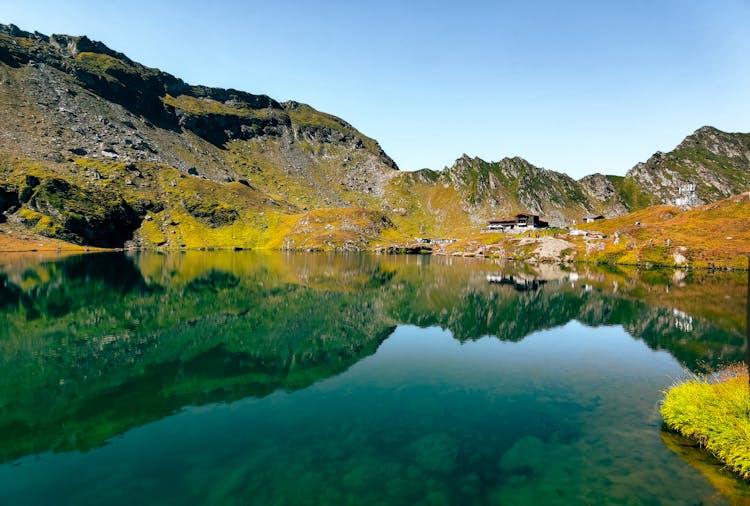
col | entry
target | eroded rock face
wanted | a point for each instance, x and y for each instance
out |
(219, 129)
(601, 189)
(82, 217)
(599, 186)
(707, 166)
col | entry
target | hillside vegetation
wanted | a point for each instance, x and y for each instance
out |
(716, 234)
(97, 150)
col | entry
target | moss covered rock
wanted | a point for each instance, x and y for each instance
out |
(76, 215)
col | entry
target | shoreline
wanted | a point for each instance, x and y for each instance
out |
(549, 247)
(394, 250)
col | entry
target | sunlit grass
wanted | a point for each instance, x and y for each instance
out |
(205, 106)
(714, 234)
(715, 411)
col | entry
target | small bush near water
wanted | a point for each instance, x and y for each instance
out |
(715, 411)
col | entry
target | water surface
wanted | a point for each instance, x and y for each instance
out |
(244, 378)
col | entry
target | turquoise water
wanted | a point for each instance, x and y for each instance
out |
(235, 378)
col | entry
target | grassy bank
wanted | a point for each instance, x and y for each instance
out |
(715, 412)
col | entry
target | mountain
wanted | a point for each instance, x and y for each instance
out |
(473, 190)
(707, 166)
(82, 98)
(92, 141)
(99, 150)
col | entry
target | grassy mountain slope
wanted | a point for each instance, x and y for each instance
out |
(215, 165)
(717, 233)
(463, 196)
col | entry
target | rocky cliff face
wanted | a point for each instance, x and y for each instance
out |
(75, 111)
(707, 166)
(603, 189)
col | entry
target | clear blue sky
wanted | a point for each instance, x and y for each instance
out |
(578, 87)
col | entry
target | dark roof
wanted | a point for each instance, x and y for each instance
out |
(527, 214)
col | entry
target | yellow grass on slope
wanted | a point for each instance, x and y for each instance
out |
(346, 228)
(717, 234)
(16, 239)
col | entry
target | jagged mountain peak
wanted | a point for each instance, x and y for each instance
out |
(707, 166)
(595, 175)
(718, 142)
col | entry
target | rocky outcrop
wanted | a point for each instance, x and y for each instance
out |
(128, 112)
(599, 186)
(218, 129)
(67, 212)
(213, 214)
(602, 189)
(707, 166)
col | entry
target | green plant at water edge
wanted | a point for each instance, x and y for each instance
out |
(716, 414)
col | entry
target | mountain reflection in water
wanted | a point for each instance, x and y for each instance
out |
(95, 345)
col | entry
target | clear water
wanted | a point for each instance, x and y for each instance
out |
(239, 378)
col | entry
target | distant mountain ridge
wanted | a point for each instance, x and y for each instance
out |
(98, 149)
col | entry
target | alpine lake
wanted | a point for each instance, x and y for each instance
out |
(232, 378)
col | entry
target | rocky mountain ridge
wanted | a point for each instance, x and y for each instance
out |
(490, 189)
(103, 105)
(707, 166)
(100, 150)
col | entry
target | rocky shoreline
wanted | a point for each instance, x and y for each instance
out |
(529, 250)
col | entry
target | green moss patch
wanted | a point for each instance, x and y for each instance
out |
(104, 65)
(206, 106)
